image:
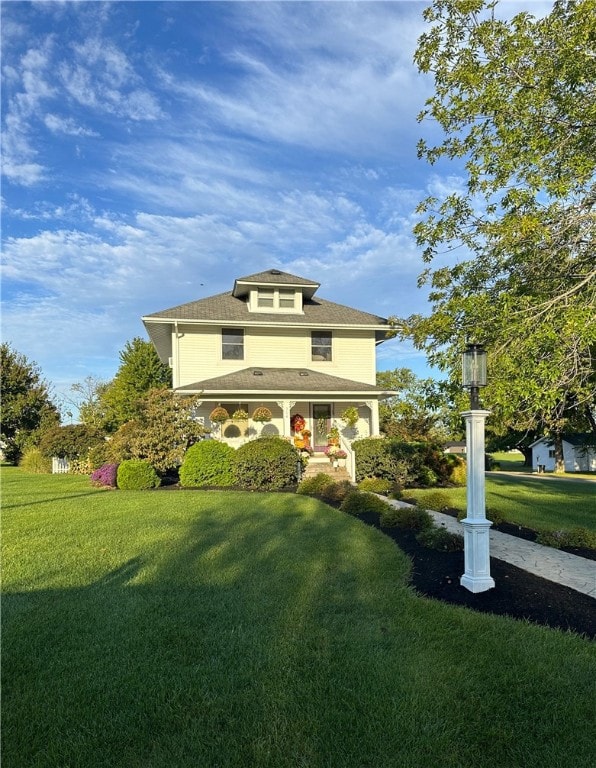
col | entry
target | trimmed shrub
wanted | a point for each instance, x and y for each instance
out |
(441, 539)
(315, 485)
(375, 485)
(136, 475)
(361, 503)
(413, 464)
(267, 464)
(411, 518)
(34, 461)
(582, 538)
(337, 491)
(435, 500)
(105, 476)
(374, 459)
(207, 462)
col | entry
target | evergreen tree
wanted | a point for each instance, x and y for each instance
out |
(140, 370)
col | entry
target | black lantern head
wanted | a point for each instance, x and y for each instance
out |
(474, 372)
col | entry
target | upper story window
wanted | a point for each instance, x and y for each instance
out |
(321, 345)
(275, 299)
(287, 299)
(232, 343)
(265, 297)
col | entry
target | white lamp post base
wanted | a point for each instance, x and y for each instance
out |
(477, 576)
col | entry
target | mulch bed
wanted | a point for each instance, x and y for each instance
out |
(517, 593)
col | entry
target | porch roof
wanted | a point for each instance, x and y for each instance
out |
(281, 380)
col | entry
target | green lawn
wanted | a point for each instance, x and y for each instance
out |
(540, 503)
(511, 461)
(172, 629)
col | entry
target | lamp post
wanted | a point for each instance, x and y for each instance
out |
(477, 576)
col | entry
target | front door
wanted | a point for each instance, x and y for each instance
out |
(321, 417)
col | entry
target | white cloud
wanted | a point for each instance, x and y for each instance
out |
(29, 88)
(102, 78)
(67, 126)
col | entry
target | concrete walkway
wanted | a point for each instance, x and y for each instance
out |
(546, 562)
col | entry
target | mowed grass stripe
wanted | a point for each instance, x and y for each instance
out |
(234, 629)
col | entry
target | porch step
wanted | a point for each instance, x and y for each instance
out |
(321, 465)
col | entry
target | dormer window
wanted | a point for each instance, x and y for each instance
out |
(275, 299)
(287, 299)
(265, 298)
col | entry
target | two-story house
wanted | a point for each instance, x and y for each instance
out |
(271, 341)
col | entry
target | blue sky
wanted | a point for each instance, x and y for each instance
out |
(152, 152)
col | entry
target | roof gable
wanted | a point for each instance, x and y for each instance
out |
(274, 278)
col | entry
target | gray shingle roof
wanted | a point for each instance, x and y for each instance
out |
(274, 277)
(257, 379)
(225, 307)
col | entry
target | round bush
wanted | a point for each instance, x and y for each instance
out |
(207, 462)
(136, 475)
(411, 518)
(315, 484)
(375, 485)
(435, 500)
(337, 491)
(267, 464)
(362, 503)
(441, 539)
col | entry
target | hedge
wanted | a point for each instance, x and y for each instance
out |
(137, 475)
(267, 464)
(208, 462)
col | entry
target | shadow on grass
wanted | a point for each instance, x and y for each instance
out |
(52, 499)
(270, 639)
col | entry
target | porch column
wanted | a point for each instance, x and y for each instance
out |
(286, 406)
(373, 406)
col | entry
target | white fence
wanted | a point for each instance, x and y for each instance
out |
(59, 466)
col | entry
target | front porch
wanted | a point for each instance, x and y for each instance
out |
(307, 423)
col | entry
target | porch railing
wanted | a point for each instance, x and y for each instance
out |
(346, 446)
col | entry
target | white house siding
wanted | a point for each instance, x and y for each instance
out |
(575, 459)
(197, 353)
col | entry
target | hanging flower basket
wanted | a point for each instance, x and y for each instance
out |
(297, 422)
(219, 415)
(239, 415)
(262, 414)
(350, 416)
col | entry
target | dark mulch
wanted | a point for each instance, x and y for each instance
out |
(517, 593)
